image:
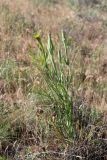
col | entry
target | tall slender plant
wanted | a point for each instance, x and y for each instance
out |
(56, 68)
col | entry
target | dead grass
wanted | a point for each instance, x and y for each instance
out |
(25, 124)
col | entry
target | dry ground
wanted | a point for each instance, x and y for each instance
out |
(19, 20)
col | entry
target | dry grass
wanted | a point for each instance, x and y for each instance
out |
(26, 122)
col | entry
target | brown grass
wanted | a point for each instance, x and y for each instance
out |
(19, 21)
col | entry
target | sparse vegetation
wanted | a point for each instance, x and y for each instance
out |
(53, 80)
